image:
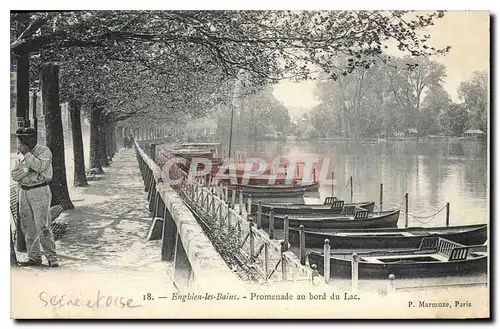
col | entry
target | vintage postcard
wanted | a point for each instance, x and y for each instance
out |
(328, 164)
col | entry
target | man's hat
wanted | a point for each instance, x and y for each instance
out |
(25, 132)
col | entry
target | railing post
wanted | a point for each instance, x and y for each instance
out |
(221, 219)
(326, 261)
(354, 268)
(447, 214)
(213, 204)
(249, 204)
(233, 198)
(240, 203)
(229, 223)
(406, 210)
(283, 262)
(259, 214)
(381, 195)
(271, 223)
(226, 195)
(251, 237)
(152, 152)
(392, 284)
(286, 230)
(302, 245)
(314, 273)
(266, 259)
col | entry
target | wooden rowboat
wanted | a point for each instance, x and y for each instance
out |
(189, 153)
(435, 257)
(330, 206)
(408, 238)
(359, 220)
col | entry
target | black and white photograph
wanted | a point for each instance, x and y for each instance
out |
(253, 164)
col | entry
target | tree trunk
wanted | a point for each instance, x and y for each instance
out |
(95, 140)
(54, 135)
(104, 141)
(113, 138)
(80, 179)
(22, 77)
(110, 140)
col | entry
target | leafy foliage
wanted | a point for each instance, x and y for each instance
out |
(474, 93)
(377, 101)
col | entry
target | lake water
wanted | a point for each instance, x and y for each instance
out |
(431, 172)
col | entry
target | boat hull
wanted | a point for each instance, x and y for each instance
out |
(390, 219)
(310, 209)
(342, 268)
(395, 238)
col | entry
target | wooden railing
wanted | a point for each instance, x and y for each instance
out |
(210, 270)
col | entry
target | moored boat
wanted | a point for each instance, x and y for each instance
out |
(330, 206)
(361, 219)
(408, 238)
(435, 257)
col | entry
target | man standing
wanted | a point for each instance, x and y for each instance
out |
(33, 173)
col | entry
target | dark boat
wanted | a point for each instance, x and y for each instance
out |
(330, 206)
(190, 153)
(357, 220)
(435, 257)
(275, 190)
(408, 238)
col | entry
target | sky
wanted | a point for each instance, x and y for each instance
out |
(467, 32)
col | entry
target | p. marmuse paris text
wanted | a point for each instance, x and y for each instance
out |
(439, 304)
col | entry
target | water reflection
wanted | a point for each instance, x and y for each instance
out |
(432, 173)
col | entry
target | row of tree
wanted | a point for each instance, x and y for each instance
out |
(388, 98)
(150, 68)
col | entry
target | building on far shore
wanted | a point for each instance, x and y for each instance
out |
(473, 134)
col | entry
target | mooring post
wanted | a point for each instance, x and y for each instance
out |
(333, 181)
(326, 261)
(286, 229)
(406, 210)
(354, 277)
(271, 223)
(314, 174)
(233, 198)
(381, 195)
(240, 210)
(251, 238)
(447, 214)
(259, 214)
(392, 284)
(249, 204)
(351, 188)
(302, 245)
